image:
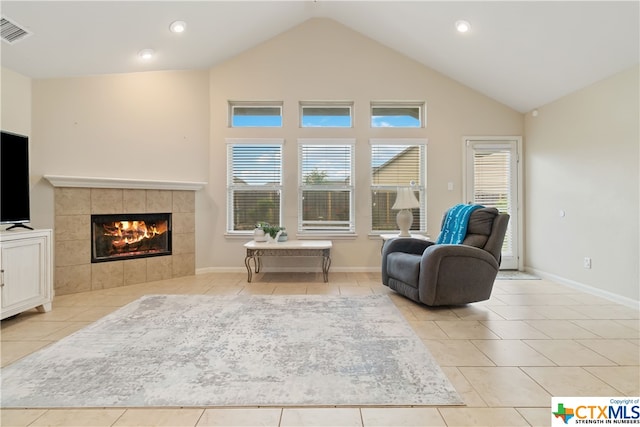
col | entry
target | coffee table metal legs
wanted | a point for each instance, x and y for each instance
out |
(257, 264)
(326, 263)
(255, 255)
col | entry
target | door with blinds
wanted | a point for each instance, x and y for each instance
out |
(492, 179)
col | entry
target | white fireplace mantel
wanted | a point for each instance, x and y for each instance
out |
(137, 184)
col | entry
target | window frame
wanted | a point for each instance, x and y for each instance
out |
(232, 105)
(328, 105)
(421, 105)
(317, 229)
(232, 186)
(420, 187)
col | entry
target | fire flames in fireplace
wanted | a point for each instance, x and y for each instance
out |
(139, 235)
(132, 233)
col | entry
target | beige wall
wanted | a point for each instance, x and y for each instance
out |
(581, 157)
(16, 116)
(16, 98)
(323, 60)
(150, 125)
(16, 102)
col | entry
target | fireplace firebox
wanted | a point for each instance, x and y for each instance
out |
(126, 236)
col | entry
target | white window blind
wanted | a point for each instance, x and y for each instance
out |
(397, 163)
(325, 202)
(254, 183)
(492, 183)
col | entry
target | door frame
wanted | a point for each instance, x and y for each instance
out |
(467, 175)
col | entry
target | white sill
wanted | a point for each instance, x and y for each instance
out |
(300, 236)
(375, 236)
(324, 236)
(243, 236)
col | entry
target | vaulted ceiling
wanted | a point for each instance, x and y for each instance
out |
(523, 54)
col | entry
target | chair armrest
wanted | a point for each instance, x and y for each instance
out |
(402, 244)
(406, 245)
(453, 273)
(436, 253)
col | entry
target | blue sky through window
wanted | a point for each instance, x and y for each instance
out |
(326, 121)
(394, 121)
(257, 121)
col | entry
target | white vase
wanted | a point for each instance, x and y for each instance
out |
(259, 235)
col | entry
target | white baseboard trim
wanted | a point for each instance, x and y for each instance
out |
(619, 299)
(207, 270)
(288, 270)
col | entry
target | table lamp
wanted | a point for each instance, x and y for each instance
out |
(405, 201)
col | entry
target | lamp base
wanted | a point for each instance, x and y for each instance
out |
(404, 219)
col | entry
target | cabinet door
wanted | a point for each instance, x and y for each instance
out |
(23, 265)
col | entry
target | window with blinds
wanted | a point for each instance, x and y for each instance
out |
(397, 163)
(254, 183)
(397, 114)
(325, 199)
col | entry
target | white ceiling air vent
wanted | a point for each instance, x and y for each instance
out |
(12, 32)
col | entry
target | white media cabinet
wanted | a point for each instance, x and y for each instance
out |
(25, 263)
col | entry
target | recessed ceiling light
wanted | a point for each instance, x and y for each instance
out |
(146, 54)
(178, 26)
(462, 26)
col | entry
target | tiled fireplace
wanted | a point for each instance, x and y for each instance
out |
(74, 208)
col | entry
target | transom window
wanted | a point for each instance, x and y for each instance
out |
(325, 195)
(397, 114)
(397, 163)
(326, 114)
(255, 114)
(254, 183)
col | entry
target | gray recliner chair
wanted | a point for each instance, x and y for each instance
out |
(445, 274)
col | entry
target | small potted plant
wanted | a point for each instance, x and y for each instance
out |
(273, 231)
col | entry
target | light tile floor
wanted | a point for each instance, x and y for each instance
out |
(507, 357)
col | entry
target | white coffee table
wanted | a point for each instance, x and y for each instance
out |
(297, 248)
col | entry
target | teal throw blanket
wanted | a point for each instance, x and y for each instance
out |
(455, 224)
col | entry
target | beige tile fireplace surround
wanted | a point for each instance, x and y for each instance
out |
(74, 206)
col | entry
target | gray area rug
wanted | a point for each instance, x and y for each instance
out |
(199, 350)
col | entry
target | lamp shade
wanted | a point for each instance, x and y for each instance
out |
(405, 199)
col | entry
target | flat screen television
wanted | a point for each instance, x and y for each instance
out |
(14, 180)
